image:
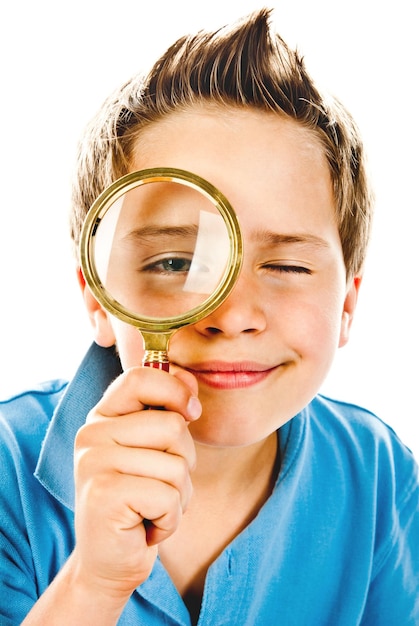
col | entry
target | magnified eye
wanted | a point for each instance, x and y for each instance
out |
(169, 265)
(176, 265)
(161, 244)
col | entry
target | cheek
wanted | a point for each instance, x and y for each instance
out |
(313, 327)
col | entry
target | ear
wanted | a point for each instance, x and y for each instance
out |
(103, 331)
(348, 312)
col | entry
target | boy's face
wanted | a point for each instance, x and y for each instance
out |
(263, 354)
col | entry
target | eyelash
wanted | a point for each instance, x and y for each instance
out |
(288, 269)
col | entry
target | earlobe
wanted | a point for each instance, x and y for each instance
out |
(99, 318)
(348, 312)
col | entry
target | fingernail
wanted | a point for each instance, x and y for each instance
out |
(194, 408)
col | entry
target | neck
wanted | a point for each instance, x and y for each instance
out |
(230, 487)
(231, 470)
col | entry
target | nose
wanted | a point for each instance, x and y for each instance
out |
(242, 312)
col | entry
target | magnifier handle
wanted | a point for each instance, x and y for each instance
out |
(157, 359)
(157, 365)
(156, 346)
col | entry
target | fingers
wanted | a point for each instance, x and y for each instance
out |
(171, 467)
(135, 500)
(144, 387)
(132, 472)
(152, 429)
(186, 377)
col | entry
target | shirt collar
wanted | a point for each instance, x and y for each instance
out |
(98, 369)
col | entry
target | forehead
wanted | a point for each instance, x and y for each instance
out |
(268, 166)
(205, 124)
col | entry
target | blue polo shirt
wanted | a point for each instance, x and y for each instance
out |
(336, 544)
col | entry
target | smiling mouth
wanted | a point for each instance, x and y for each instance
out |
(231, 375)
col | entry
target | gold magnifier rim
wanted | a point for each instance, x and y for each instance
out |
(107, 199)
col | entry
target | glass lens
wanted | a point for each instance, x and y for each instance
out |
(161, 249)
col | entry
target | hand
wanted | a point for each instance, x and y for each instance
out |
(132, 472)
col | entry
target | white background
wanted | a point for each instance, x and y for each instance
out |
(61, 59)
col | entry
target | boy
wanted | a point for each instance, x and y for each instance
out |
(250, 499)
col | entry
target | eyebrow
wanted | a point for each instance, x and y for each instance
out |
(265, 237)
(155, 231)
(272, 238)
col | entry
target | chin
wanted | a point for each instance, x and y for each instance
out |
(229, 435)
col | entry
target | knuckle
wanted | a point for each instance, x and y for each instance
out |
(93, 493)
(129, 376)
(177, 425)
(88, 434)
(85, 463)
(82, 438)
(181, 478)
(174, 502)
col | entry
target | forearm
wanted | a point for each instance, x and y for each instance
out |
(69, 600)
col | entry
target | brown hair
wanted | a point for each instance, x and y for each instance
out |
(246, 65)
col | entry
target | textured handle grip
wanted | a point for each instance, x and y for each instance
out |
(157, 365)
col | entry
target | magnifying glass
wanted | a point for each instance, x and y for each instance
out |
(161, 248)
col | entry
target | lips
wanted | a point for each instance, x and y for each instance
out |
(223, 375)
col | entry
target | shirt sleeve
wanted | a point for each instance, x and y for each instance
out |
(393, 596)
(18, 590)
(36, 530)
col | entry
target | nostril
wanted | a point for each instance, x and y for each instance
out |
(212, 330)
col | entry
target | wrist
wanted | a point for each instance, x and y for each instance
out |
(73, 598)
(95, 592)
